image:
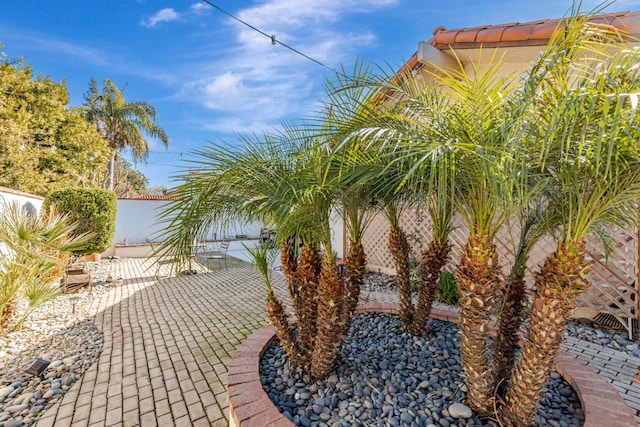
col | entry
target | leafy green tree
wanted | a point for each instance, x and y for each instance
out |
(122, 123)
(129, 181)
(45, 144)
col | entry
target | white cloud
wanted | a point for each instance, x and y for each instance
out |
(170, 15)
(199, 8)
(163, 15)
(225, 91)
(252, 85)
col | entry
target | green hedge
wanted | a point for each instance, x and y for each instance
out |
(93, 209)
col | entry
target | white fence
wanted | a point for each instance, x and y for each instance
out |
(137, 223)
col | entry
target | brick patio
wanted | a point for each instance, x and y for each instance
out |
(168, 343)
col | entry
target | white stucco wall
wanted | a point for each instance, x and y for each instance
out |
(138, 220)
(28, 202)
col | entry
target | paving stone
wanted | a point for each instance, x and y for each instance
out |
(169, 340)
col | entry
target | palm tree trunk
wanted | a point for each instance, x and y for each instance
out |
(507, 341)
(307, 293)
(288, 260)
(478, 274)
(431, 265)
(290, 267)
(330, 306)
(284, 331)
(111, 168)
(8, 309)
(399, 248)
(557, 285)
(356, 261)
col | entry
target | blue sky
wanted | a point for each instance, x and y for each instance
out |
(210, 77)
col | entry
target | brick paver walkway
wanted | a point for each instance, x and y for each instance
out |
(168, 341)
(167, 344)
(617, 367)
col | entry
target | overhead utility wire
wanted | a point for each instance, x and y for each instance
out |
(272, 37)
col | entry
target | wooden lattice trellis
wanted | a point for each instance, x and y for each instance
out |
(614, 286)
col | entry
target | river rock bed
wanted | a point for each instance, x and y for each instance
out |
(583, 329)
(387, 377)
(60, 331)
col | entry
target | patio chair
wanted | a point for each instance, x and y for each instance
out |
(220, 254)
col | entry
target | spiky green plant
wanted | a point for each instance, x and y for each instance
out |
(37, 250)
(584, 128)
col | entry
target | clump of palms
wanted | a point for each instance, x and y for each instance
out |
(291, 181)
(560, 151)
(36, 249)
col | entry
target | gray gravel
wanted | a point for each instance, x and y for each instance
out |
(583, 329)
(61, 332)
(387, 377)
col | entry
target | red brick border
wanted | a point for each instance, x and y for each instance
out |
(249, 405)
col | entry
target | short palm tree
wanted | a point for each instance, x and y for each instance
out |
(409, 165)
(38, 248)
(289, 181)
(584, 127)
(484, 181)
(122, 123)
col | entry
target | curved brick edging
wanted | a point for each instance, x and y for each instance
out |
(250, 406)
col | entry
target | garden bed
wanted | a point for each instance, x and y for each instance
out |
(250, 404)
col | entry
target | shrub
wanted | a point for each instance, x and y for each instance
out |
(447, 290)
(35, 251)
(93, 209)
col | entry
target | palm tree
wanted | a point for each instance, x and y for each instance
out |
(486, 172)
(39, 247)
(409, 165)
(455, 149)
(121, 123)
(584, 126)
(400, 251)
(287, 181)
(531, 227)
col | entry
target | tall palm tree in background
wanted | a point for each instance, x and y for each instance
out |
(583, 97)
(121, 123)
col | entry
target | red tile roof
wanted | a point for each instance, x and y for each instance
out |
(534, 33)
(168, 196)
